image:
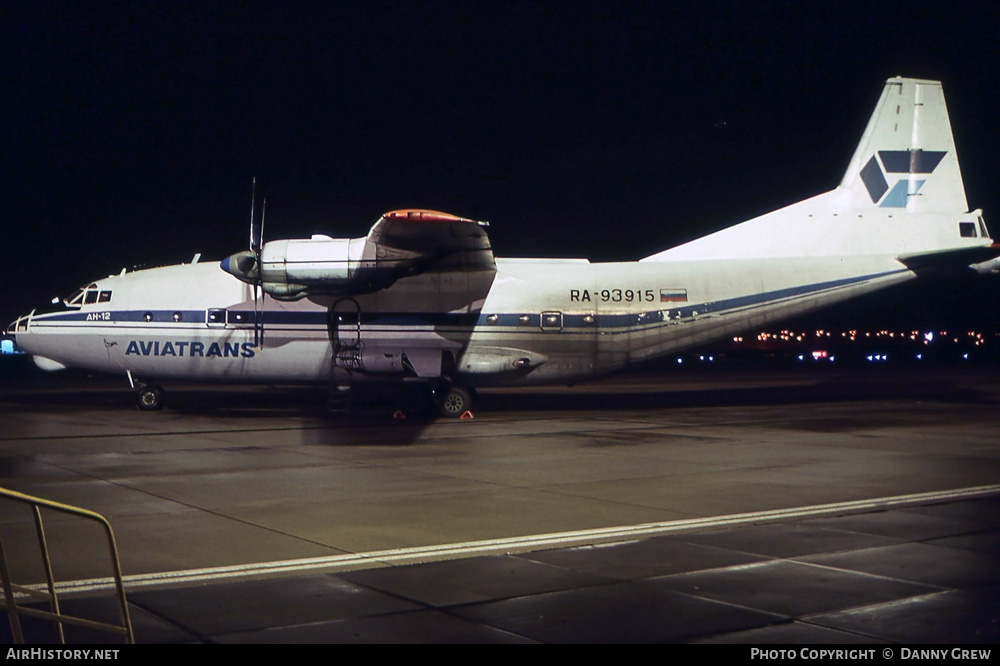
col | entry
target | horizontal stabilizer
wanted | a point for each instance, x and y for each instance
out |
(960, 257)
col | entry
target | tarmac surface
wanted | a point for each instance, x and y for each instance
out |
(739, 506)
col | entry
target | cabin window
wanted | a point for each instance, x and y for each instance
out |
(967, 229)
(552, 321)
(105, 297)
(178, 316)
(216, 316)
(91, 297)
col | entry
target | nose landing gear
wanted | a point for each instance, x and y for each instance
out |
(149, 397)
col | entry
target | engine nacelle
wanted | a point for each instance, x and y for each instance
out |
(320, 264)
(290, 269)
(318, 259)
(401, 242)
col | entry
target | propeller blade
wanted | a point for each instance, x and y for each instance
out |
(244, 264)
(259, 323)
(254, 240)
(260, 230)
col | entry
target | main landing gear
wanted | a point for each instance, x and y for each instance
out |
(453, 401)
(447, 400)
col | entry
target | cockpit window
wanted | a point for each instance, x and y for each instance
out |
(76, 300)
(87, 296)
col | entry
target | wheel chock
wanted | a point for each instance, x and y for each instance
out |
(466, 416)
(399, 415)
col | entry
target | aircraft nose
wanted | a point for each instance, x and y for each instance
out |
(19, 324)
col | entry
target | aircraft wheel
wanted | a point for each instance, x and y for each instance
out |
(149, 398)
(455, 401)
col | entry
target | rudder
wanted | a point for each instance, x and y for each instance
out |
(906, 158)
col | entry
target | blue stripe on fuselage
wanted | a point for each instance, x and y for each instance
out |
(318, 318)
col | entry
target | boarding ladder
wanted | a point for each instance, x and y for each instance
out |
(347, 353)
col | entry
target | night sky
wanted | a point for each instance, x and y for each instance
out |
(609, 130)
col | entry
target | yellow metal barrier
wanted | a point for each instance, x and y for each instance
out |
(11, 591)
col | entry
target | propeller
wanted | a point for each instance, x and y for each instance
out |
(256, 242)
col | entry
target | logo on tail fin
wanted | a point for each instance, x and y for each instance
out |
(894, 162)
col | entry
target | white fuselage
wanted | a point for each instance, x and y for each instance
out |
(569, 319)
(422, 297)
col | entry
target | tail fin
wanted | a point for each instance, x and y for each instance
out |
(906, 158)
(902, 195)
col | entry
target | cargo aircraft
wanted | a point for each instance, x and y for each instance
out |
(421, 299)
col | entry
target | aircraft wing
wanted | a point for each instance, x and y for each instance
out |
(427, 238)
